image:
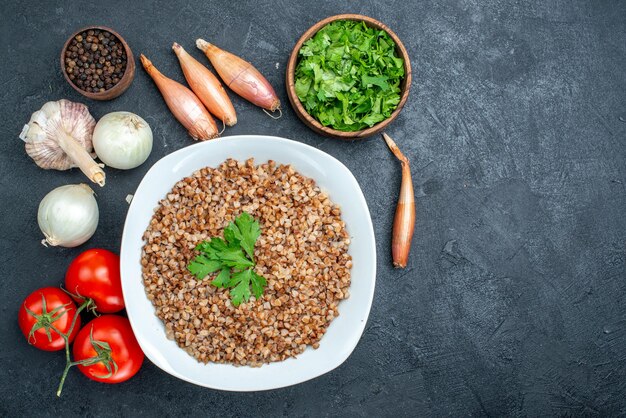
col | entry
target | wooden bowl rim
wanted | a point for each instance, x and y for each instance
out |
(313, 123)
(124, 82)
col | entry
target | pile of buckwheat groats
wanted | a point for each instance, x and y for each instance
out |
(302, 252)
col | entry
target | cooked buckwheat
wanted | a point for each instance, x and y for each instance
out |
(302, 252)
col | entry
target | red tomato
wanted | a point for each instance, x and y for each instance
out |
(96, 274)
(49, 306)
(123, 351)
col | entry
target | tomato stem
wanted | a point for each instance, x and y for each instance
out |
(45, 319)
(91, 304)
(87, 304)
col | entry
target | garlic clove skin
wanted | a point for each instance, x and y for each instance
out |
(41, 131)
(59, 137)
(68, 215)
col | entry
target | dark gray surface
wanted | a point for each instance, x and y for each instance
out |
(514, 298)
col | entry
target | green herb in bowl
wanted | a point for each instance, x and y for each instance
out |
(348, 75)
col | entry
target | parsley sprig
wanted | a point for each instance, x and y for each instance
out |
(233, 257)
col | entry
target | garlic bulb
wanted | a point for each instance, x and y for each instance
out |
(58, 136)
(122, 140)
(68, 215)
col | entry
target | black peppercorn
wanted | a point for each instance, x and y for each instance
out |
(95, 61)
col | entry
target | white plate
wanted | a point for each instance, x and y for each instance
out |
(344, 332)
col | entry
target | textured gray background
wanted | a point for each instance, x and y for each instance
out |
(514, 299)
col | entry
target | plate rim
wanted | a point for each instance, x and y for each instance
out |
(126, 241)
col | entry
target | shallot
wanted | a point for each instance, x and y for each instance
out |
(241, 77)
(184, 104)
(206, 86)
(404, 220)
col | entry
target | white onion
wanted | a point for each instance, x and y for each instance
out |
(122, 140)
(68, 215)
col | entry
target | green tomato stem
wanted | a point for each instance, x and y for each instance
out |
(66, 337)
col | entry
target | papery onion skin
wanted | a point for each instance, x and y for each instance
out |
(184, 104)
(404, 219)
(241, 77)
(206, 86)
(68, 215)
(122, 140)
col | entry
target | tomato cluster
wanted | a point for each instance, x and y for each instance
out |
(105, 349)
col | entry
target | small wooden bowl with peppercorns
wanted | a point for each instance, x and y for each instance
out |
(98, 63)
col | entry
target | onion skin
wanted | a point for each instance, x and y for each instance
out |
(206, 86)
(122, 140)
(68, 216)
(404, 219)
(241, 77)
(184, 104)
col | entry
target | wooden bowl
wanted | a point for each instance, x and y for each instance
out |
(117, 89)
(313, 123)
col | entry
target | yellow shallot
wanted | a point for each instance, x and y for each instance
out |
(404, 220)
(184, 104)
(206, 86)
(241, 77)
